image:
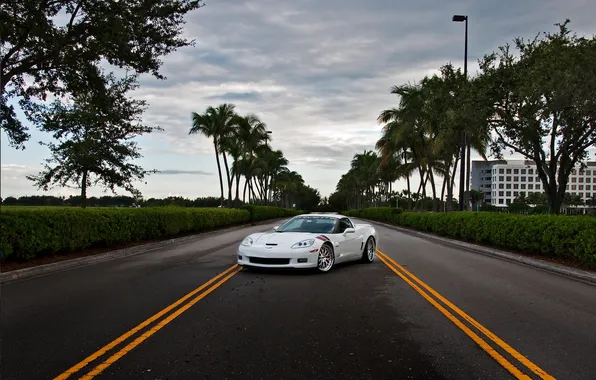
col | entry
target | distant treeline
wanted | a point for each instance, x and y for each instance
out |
(109, 201)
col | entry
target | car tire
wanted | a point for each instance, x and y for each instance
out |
(369, 252)
(326, 258)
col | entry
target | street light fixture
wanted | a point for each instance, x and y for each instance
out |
(267, 190)
(462, 171)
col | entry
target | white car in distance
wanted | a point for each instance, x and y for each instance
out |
(310, 241)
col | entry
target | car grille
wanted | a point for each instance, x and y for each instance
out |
(268, 261)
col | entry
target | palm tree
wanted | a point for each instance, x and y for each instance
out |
(235, 148)
(206, 125)
(253, 133)
(225, 120)
(366, 166)
(288, 183)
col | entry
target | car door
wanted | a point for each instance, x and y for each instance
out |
(350, 244)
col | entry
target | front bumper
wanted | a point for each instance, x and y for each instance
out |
(262, 257)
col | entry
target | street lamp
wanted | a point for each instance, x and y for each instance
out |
(462, 171)
(268, 165)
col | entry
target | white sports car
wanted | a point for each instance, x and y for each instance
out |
(310, 241)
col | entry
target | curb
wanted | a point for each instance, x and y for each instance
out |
(562, 270)
(59, 266)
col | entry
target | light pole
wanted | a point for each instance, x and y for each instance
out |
(462, 171)
(267, 182)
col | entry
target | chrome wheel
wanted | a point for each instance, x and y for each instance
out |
(326, 258)
(369, 253)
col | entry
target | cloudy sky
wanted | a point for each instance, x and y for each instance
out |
(317, 72)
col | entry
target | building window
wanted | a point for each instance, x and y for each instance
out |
(501, 186)
(588, 187)
(537, 187)
(530, 179)
(501, 171)
(501, 193)
(522, 186)
(581, 187)
(581, 179)
(508, 201)
(530, 186)
(515, 186)
(509, 186)
(537, 179)
(515, 193)
(516, 179)
(530, 171)
(508, 171)
(501, 201)
(523, 171)
(508, 193)
(588, 172)
(523, 179)
(573, 187)
(573, 179)
(574, 172)
(508, 178)
(515, 171)
(588, 180)
(501, 178)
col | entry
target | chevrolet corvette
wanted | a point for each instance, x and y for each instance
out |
(310, 241)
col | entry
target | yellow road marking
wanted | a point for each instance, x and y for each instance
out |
(481, 342)
(510, 350)
(112, 359)
(521, 358)
(77, 367)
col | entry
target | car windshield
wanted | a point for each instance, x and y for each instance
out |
(311, 224)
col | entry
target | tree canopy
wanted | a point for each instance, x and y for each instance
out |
(539, 102)
(543, 104)
(57, 48)
(242, 142)
(94, 138)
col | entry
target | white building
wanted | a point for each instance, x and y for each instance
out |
(503, 180)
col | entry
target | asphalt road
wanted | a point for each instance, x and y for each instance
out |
(359, 321)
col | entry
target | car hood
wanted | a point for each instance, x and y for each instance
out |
(284, 238)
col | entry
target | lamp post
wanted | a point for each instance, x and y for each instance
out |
(267, 182)
(462, 171)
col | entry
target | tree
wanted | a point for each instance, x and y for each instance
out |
(209, 125)
(307, 198)
(251, 132)
(543, 104)
(42, 55)
(475, 196)
(94, 139)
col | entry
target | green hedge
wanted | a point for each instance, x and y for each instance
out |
(30, 232)
(259, 213)
(549, 235)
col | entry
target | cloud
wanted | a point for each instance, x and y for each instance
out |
(319, 72)
(176, 172)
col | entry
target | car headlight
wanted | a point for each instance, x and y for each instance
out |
(304, 243)
(247, 242)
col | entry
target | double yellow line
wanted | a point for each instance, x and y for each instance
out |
(414, 282)
(218, 280)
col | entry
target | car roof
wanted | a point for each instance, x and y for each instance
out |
(336, 216)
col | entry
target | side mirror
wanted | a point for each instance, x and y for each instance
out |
(275, 228)
(349, 231)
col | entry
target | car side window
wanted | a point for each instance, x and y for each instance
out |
(350, 225)
(343, 224)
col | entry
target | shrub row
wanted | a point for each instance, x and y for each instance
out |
(30, 232)
(259, 213)
(549, 235)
